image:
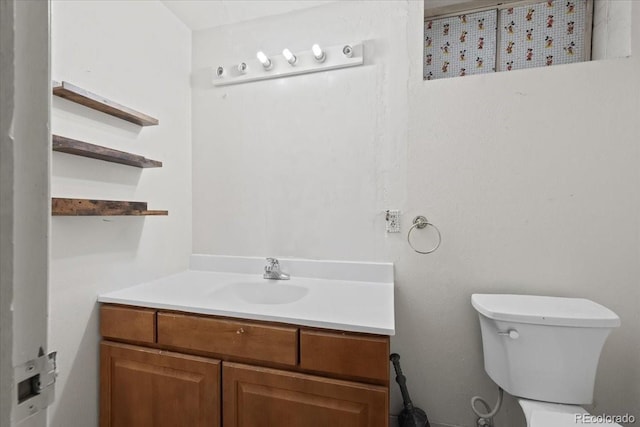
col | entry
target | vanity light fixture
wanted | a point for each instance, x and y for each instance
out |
(288, 63)
(264, 60)
(290, 57)
(318, 53)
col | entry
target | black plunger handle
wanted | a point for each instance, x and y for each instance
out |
(402, 381)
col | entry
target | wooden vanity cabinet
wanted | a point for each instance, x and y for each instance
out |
(263, 397)
(143, 387)
(246, 373)
(229, 338)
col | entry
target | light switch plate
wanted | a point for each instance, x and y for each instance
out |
(393, 221)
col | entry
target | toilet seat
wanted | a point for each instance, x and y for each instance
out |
(545, 414)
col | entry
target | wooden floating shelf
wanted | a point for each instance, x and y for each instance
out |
(85, 149)
(73, 93)
(88, 207)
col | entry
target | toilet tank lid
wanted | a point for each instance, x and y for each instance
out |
(542, 310)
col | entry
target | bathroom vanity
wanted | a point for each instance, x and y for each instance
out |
(231, 360)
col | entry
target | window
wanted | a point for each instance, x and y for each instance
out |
(460, 45)
(507, 37)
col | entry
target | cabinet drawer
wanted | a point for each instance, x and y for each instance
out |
(345, 354)
(128, 323)
(223, 337)
(256, 396)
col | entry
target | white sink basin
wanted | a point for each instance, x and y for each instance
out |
(267, 292)
(340, 295)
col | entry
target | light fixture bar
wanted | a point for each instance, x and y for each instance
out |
(304, 62)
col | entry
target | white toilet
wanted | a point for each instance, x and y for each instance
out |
(545, 352)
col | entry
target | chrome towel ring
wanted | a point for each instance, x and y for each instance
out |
(421, 222)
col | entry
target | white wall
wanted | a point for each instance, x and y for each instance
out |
(301, 166)
(138, 54)
(531, 176)
(611, 29)
(24, 195)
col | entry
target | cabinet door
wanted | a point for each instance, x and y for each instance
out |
(143, 387)
(263, 397)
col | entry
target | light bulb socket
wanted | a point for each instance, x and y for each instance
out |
(220, 72)
(347, 51)
(242, 67)
(318, 53)
(290, 57)
(264, 60)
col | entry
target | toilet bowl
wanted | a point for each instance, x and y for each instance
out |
(545, 352)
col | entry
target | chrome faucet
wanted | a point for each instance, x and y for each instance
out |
(272, 270)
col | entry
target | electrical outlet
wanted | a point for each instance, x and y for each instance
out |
(393, 221)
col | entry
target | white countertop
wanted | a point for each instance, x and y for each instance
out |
(349, 305)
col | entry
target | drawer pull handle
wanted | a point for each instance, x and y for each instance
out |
(240, 331)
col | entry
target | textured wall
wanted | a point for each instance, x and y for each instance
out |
(138, 54)
(612, 20)
(531, 176)
(302, 166)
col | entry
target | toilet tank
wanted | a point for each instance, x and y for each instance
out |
(543, 348)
